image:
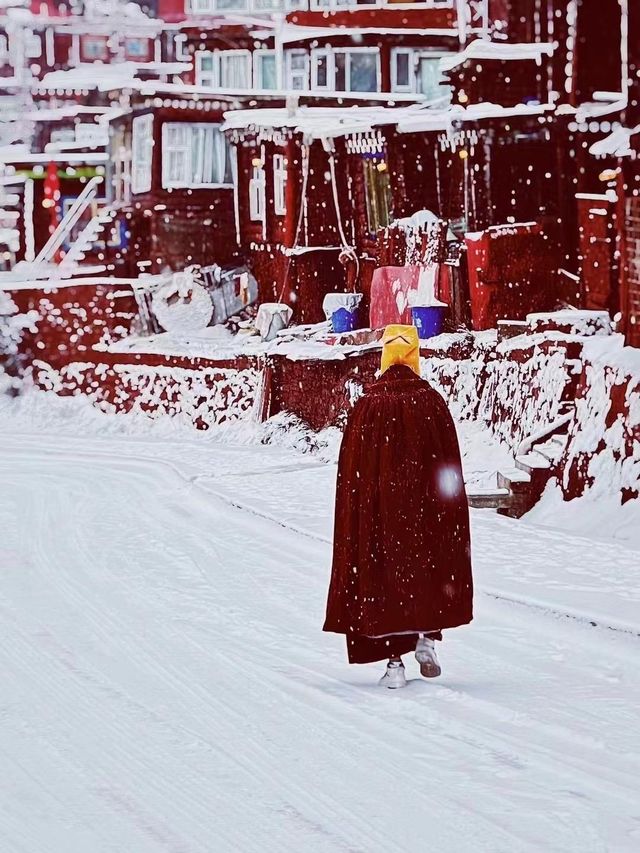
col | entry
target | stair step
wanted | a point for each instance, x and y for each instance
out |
(514, 475)
(532, 461)
(493, 498)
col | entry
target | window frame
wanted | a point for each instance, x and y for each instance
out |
(331, 53)
(187, 180)
(137, 56)
(258, 194)
(230, 54)
(279, 166)
(303, 74)
(258, 54)
(142, 142)
(91, 39)
(419, 55)
(216, 68)
(413, 83)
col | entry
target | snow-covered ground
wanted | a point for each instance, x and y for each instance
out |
(166, 685)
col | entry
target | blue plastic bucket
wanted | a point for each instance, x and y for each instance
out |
(429, 320)
(343, 320)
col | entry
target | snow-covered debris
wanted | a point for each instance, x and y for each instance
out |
(616, 144)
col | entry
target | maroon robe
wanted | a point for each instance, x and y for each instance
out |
(401, 553)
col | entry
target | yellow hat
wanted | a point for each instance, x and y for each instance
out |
(401, 345)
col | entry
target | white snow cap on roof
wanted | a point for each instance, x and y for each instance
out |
(617, 144)
(318, 122)
(484, 49)
(96, 75)
(291, 33)
(329, 122)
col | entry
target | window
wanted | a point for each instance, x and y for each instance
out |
(378, 193)
(142, 153)
(32, 45)
(136, 48)
(235, 69)
(352, 70)
(257, 193)
(120, 162)
(279, 184)
(402, 70)
(417, 71)
(224, 69)
(194, 155)
(94, 48)
(204, 69)
(264, 69)
(430, 80)
(297, 65)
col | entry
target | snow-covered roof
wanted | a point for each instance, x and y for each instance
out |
(20, 153)
(292, 33)
(599, 108)
(500, 51)
(616, 144)
(329, 122)
(318, 122)
(443, 119)
(153, 87)
(95, 75)
(62, 113)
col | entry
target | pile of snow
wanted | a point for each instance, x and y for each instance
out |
(13, 324)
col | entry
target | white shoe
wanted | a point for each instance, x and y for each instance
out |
(427, 658)
(394, 676)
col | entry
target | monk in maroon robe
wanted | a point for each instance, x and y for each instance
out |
(401, 556)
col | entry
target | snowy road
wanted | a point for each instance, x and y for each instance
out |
(166, 686)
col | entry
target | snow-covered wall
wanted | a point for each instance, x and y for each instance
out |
(68, 320)
(524, 384)
(603, 452)
(202, 395)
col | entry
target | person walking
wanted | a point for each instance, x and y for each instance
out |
(401, 569)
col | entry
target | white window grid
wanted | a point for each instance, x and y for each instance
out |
(213, 68)
(415, 56)
(396, 85)
(4, 48)
(258, 194)
(136, 46)
(297, 70)
(195, 155)
(258, 56)
(329, 54)
(279, 184)
(180, 48)
(142, 153)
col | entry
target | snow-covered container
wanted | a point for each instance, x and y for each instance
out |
(272, 318)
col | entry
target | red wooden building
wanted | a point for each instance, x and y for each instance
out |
(170, 179)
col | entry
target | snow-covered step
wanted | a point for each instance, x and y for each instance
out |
(553, 449)
(490, 498)
(532, 461)
(509, 477)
